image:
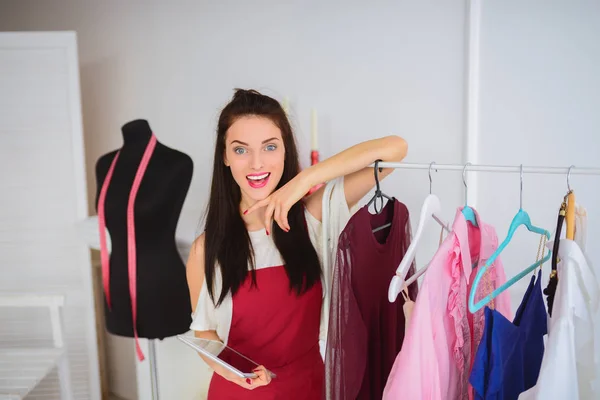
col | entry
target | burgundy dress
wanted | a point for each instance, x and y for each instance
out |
(280, 330)
(366, 330)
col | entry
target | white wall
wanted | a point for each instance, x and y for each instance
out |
(370, 70)
(539, 102)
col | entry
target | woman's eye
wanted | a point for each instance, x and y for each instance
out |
(270, 147)
(239, 150)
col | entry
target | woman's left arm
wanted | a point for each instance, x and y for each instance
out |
(350, 163)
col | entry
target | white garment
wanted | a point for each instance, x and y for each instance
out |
(339, 215)
(580, 227)
(569, 368)
(208, 317)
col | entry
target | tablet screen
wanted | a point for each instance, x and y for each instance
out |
(227, 354)
(222, 352)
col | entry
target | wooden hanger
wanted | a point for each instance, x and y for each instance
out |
(570, 217)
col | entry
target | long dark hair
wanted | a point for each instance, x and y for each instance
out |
(227, 242)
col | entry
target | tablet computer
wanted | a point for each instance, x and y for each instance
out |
(223, 356)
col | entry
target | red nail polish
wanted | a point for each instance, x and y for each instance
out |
(245, 212)
(267, 232)
(249, 381)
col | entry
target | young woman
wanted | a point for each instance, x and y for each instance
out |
(254, 275)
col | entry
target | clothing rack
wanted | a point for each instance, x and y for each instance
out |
(493, 168)
(568, 171)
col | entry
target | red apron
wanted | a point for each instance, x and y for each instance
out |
(280, 330)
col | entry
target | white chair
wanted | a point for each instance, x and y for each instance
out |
(23, 368)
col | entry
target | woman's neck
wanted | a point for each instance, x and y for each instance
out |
(254, 221)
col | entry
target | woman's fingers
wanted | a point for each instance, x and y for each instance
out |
(275, 210)
(279, 217)
(269, 217)
(263, 378)
(246, 383)
(284, 218)
(257, 205)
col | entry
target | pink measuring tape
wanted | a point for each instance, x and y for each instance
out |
(131, 248)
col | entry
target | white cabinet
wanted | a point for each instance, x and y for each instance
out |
(42, 197)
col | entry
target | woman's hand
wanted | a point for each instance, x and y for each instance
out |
(280, 201)
(263, 378)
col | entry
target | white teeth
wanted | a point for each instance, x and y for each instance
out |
(258, 177)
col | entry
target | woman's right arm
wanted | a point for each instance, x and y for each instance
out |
(195, 279)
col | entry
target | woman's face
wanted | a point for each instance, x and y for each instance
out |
(255, 153)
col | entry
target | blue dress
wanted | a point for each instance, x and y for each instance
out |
(509, 356)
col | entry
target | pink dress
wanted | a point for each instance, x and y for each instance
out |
(439, 347)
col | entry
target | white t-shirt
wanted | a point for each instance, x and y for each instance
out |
(208, 317)
(570, 368)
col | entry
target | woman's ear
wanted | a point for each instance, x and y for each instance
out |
(225, 161)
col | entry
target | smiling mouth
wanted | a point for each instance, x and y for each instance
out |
(258, 181)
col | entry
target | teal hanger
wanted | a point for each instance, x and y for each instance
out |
(521, 218)
(467, 211)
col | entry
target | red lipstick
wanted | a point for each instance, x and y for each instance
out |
(259, 180)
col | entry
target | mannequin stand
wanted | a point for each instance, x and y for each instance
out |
(153, 374)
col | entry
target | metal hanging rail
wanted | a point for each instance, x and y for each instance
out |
(568, 171)
(573, 170)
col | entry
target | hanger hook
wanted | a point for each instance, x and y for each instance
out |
(430, 165)
(521, 188)
(376, 169)
(465, 182)
(569, 178)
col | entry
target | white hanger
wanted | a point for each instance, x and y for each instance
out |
(431, 206)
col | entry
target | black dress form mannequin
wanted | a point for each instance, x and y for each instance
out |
(163, 302)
